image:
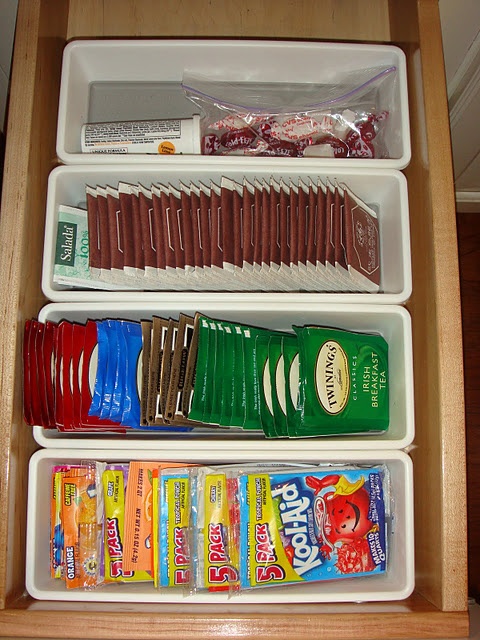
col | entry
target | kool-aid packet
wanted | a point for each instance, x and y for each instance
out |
(311, 525)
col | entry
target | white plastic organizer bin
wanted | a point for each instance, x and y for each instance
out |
(109, 80)
(385, 189)
(397, 583)
(392, 322)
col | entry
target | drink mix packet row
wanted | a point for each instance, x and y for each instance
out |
(116, 375)
(102, 518)
(317, 381)
(260, 235)
(225, 528)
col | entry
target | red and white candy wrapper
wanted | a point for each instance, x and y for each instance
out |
(337, 135)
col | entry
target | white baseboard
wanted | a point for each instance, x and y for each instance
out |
(468, 201)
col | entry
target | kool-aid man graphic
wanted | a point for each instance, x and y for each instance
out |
(314, 525)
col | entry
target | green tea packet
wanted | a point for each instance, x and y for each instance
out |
(263, 385)
(291, 366)
(280, 382)
(229, 365)
(343, 382)
(252, 405)
(201, 391)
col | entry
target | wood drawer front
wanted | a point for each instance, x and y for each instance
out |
(438, 607)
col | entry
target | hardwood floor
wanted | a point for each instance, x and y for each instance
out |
(468, 226)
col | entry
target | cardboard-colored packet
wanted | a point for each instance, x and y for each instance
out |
(176, 385)
(159, 332)
(167, 359)
(190, 369)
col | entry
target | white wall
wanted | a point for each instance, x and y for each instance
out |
(8, 15)
(461, 45)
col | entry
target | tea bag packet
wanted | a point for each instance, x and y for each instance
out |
(175, 230)
(150, 232)
(305, 272)
(166, 368)
(362, 242)
(159, 230)
(118, 396)
(263, 386)
(154, 403)
(111, 336)
(115, 234)
(278, 383)
(140, 237)
(343, 382)
(187, 239)
(194, 192)
(94, 260)
(291, 380)
(104, 236)
(71, 260)
(228, 389)
(343, 276)
(147, 329)
(311, 215)
(324, 278)
(258, 224)
(248, 231)
(173, 406)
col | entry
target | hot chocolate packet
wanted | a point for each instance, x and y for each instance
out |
(104, 236)
(127, 227)
(321, 234)
(175, 230)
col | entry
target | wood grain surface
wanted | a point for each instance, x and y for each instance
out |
(468, 225)
(439, 606)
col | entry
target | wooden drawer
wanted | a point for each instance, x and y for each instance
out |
(438, 608)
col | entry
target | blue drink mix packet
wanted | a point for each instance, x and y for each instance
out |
(312, 525)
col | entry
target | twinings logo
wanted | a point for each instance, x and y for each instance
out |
(332, 378)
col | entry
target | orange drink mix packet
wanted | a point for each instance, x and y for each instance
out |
(139, 522)
(81, 528)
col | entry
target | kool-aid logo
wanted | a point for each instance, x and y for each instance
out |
(297, 517)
